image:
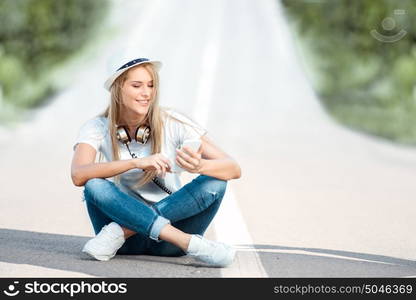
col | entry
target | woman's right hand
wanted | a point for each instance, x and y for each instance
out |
(153, 162)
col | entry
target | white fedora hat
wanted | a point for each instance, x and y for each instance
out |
(127, 65)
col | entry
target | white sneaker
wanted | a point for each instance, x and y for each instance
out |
(213, 253)
(105, 245)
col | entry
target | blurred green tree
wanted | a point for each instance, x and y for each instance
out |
(362, 61)
(35, 37)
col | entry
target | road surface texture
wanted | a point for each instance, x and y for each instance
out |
(315, 199)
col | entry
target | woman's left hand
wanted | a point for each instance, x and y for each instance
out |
(189, 160)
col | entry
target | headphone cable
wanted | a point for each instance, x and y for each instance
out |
(155, 179)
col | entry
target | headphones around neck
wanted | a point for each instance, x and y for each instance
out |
(141, 135)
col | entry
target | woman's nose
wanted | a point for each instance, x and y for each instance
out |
(145, 92)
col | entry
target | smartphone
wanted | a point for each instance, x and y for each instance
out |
(194, 144)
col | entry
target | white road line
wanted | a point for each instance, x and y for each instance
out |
(228, 223)
(315, 254)
(231, 228)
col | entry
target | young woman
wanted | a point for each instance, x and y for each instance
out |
(134, 198)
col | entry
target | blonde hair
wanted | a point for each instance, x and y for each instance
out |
(153, 119)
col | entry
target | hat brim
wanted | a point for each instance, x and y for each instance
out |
(109, 82)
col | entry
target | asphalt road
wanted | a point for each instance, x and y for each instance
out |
(316, 199)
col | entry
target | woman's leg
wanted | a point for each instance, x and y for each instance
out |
(136, 244)
(200, 198)
(197, 224)
(192, 199)
(122, 208)
(191, 209)
(137, 216)
(97, 218)
(212, 253)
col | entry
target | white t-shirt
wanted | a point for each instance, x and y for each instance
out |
(95, 133)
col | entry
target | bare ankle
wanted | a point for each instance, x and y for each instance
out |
(175, 236)
(127, 232)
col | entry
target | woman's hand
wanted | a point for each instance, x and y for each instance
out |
(189, 160)
(153, 162)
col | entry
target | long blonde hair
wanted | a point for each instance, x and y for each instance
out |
(153, 119)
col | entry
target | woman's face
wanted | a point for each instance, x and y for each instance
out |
(137, 91)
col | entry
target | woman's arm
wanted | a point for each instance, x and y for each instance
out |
(83, 165)
(209, 160)
(221, 168)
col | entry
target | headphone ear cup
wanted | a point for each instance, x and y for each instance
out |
(123, 135)
(142, 134)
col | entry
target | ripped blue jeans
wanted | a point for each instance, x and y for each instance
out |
(190, 209)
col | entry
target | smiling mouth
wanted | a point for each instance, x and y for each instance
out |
(143, 102)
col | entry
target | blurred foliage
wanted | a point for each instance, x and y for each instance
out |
(37, 36)
(365, 83)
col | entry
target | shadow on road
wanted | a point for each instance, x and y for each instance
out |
(63, 252)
